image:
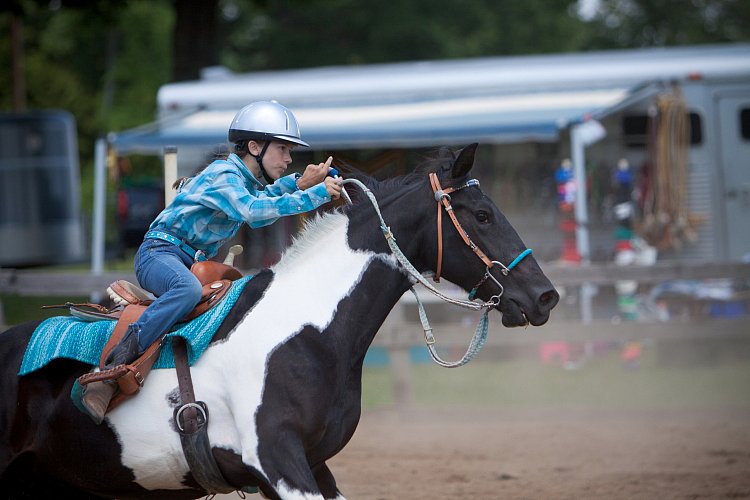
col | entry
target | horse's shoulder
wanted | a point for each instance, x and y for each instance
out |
(251, 294)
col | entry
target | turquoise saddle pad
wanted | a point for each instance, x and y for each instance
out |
(73, 338)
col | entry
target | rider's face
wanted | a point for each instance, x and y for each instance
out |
(277, 158)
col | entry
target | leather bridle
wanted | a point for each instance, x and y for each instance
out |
(480, 335)
(443, 199)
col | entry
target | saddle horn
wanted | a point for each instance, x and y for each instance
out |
(234, 251)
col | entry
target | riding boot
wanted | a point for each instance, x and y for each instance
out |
(96, 398)
(125, 352)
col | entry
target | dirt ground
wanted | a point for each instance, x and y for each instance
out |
(496, 454)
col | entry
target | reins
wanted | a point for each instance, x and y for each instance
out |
(480, 334)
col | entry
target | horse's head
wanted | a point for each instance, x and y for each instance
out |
(489, 258)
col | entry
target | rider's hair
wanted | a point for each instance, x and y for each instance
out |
(240, 148)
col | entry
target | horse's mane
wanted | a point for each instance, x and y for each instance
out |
(314, 229)
(435, 162)
(323, 223)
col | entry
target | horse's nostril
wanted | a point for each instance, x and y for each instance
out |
(549, 298)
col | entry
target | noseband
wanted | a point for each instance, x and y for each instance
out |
(443, 199)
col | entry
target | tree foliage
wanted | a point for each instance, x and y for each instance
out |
(104, 60)
(654, 23)
(305, 33)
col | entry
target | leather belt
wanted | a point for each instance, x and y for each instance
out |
(156, 234)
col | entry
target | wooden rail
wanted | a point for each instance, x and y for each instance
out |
(63, 283)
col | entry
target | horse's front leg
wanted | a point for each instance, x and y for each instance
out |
(290, 478)
(327, 483)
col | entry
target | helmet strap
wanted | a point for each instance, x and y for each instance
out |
(259, 159)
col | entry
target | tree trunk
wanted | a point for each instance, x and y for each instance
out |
(19, 78)
(194, 38)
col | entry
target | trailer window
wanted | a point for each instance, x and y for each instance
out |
(635, 129)
(745, 123)
(696, 128)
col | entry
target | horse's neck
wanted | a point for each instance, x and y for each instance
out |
(361, 284)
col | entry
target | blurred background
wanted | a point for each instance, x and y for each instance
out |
(615, 135)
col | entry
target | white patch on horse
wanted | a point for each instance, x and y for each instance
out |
(230, 375)
(319, 265)
(288, 493)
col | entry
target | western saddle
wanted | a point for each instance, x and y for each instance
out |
(130, 301)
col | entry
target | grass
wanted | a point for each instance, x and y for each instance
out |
(602, 382)
(20, 309)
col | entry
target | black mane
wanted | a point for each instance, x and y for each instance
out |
(439, 162)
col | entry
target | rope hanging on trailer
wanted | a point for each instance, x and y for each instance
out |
(667, 223)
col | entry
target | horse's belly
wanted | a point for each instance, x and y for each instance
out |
(151, 446)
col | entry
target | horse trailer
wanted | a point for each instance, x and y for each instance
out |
(524, 111)
(40, 215)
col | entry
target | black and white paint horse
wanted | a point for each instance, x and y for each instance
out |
(282, 376)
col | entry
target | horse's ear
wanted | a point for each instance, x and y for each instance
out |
(465, 161)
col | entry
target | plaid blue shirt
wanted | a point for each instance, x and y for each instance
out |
(210, 209)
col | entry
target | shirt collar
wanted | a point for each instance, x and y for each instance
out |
(237, 161)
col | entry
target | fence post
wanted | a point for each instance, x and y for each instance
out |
(401, 373)
(99, 210)
(399, 362)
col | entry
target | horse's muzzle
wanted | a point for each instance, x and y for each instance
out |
(516, 313)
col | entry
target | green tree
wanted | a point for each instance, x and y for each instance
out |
(649, 23)
(306, 33)
(101, 61)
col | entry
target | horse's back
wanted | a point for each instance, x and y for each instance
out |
(27, 401)
(13, 343)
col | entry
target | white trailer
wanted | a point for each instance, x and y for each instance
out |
(523, 109)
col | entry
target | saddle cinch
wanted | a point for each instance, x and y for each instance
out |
(131, 301)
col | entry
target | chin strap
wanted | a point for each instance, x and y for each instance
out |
(259, 159)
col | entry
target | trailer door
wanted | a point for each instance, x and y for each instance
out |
(734, 154)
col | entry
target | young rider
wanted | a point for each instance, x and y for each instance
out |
(208, 211)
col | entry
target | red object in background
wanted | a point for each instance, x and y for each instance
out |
(569, 243)
(566, 191)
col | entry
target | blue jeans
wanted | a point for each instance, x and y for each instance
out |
(164, 270)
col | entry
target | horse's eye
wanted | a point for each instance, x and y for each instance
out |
(483, 216)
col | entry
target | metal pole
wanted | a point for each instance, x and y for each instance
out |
(578, 157)
(170, 173)
(100, 210)
(2, 314)
(582, 135)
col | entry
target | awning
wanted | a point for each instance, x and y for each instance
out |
(501, 118)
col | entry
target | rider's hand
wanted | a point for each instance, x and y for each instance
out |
(333, 186)
(314, 174)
